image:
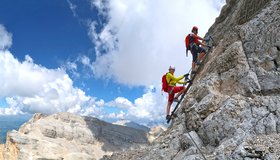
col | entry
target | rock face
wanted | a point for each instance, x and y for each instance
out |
(152, 133)
(155, 132)
(232, 110)
(69, 137)
(1, 151)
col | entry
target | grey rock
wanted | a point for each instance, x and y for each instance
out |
(70, 137)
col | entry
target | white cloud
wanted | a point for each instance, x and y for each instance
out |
(218, 4)
(151, 106)
(34, 88)
(92, 108)
(100, 103)
(101, 5)
(72, 7)
(5, 38)
(72, 68)
(120, 115)
(23, 79)
(85, 60)
(10, 111)
(143, 37)
(120, 102)
(28, 87)
(13, 108)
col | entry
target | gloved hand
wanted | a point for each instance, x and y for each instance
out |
(186, 75)
(206, 39)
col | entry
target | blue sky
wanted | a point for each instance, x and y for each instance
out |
(94, 57)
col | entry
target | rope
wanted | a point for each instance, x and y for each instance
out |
(196, 146)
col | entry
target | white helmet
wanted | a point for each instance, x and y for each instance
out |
(171, 67)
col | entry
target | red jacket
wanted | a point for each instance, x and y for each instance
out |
(192, 38)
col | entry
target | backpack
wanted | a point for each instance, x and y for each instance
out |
(164, 83)
(188, 41)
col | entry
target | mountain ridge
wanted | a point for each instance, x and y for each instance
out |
(68, 136)
(131, 124)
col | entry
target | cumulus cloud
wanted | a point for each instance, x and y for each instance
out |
(120, 115)
(5, 38)
(71, 68)
(28, 87)
(150, 107)
(13, 109)
(23, 78)
(142, 38)
(120, 102)
(33, 88)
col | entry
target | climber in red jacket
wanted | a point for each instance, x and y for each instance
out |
(193, 44)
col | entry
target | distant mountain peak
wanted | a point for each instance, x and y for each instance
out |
(128, 123)
(68, 136)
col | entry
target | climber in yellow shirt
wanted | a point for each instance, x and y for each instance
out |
(172, 88)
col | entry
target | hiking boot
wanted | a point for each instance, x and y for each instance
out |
(174, 115)
(198, 63)
(168, 117)
(176, 100)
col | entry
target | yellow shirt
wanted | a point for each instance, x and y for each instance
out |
(172, 80)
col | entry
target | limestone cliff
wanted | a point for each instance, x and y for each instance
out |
(1, 151)
(69, 137)
(232, 110)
